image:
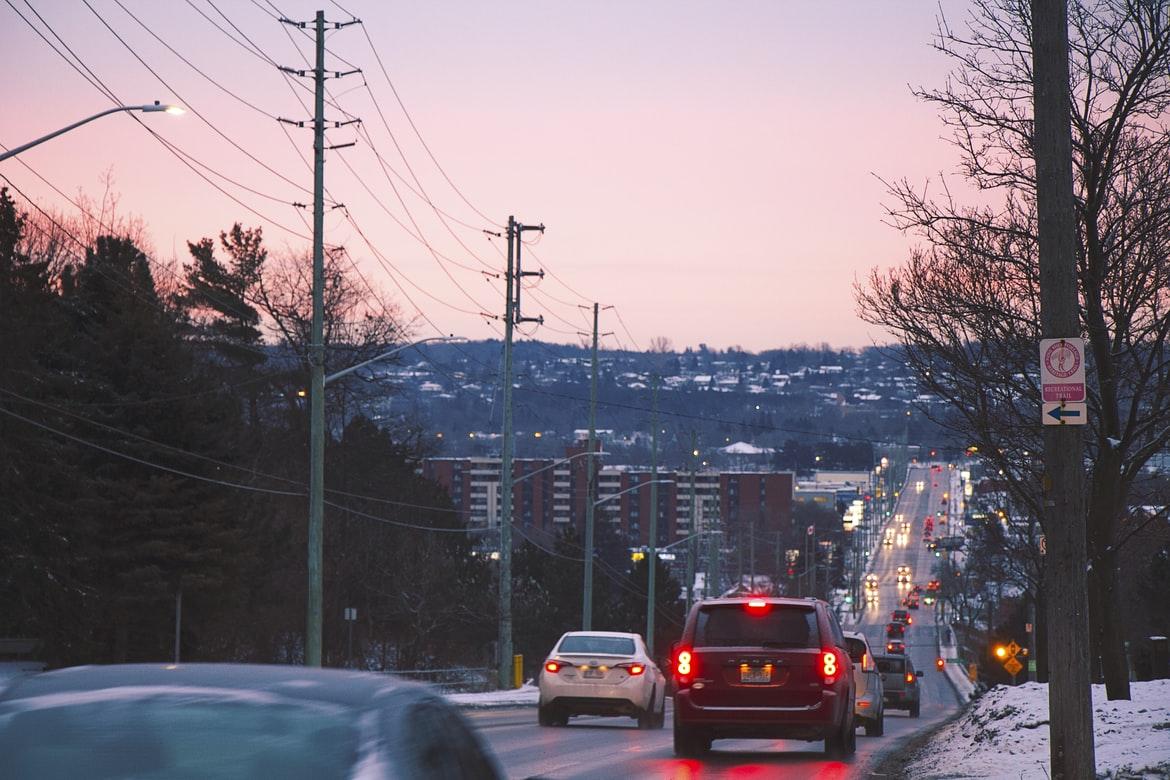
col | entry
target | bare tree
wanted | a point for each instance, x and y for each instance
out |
(661, 344)
(966, 304)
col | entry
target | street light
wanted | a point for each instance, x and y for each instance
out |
(149, 108)
(317, 493)
(588, 584)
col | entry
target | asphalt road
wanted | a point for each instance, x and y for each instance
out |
(595, 747)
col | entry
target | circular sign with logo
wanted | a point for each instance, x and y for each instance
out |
(1062, 359)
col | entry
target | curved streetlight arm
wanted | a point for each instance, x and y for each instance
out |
(391, 353)
(688, 538)
(151, 107)
(632, 488)
(556, 463)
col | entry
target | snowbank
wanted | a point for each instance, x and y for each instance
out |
(526, 695)
(1005, 734)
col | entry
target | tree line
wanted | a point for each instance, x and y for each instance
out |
(154, 457)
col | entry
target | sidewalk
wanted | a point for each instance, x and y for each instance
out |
(956, 672)
(525, 696)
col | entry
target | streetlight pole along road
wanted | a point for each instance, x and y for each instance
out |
(146, 109)
(317, 495)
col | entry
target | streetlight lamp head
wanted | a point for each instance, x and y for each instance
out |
(165, 107)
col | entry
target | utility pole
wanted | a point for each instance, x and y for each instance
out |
(1063, 517)
(587, 599)
(514, 278)
(691, 546)
(316, 533)
(652, 554)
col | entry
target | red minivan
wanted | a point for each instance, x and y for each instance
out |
(763, 667)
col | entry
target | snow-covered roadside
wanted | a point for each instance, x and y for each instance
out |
(526, 695)
(1004, 734)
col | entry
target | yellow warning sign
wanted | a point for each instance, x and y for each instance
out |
(1013, 666)
(1013, 649)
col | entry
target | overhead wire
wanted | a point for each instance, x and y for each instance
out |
(184, 157)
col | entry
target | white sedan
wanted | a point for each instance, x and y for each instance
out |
(601, 673)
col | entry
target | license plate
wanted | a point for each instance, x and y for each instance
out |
(596, 673)
(755, 675)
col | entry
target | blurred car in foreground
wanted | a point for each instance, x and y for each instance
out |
(601, 673)
(147, 721)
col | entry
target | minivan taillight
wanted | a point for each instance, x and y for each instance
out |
(685, 666)
(830, 666)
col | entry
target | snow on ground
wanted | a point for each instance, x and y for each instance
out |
(1004, 734)
(528, 694)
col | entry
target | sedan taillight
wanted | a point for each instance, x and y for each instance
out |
(633, 669)
(553, 666)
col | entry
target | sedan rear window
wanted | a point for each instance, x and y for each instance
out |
(731, 625)
(597, 645)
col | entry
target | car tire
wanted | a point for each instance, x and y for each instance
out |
(689, 742)
(914, 710)
(646, 719)
(545, 716)
(843, 742)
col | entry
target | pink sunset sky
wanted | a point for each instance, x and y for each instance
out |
(708, 168)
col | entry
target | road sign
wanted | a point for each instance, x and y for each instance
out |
(1064, 413)
(1013, 649)
(1062, 369)
(1012, 666)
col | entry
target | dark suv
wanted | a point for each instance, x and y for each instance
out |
(763, 668)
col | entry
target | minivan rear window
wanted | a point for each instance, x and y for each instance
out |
(890, 665)
(731, 625)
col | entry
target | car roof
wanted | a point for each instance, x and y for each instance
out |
(779, 600)
(618, 634)
(337, 686)
(856, 635)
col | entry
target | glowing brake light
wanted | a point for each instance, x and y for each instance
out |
(632, 669)
(684, 667)
(865, 662)
(757, 606)
(909, 677)
(553, 666)
(830, 666)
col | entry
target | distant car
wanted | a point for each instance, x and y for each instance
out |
(895, 630)
(869, 708)
(232, 720)
(871, 582)
(933, 585)
(601, 673)
(888, 541)
(763, 668)
(901, 616)
(911, 602)
(900, 689)
(903, 573)
(896, 646)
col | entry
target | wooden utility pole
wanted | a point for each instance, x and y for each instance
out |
(1069, 695)
(514, 279)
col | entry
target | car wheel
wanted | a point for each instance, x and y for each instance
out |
(689, 743)
(881, 723)
(871, 727)
(646, 719)
(914, 710)
(843, 742)
(544, 716)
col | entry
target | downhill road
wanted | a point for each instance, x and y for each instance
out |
(596, 747)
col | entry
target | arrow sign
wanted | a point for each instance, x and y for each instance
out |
(1064, 413)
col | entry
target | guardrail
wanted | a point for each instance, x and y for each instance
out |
(454, 680)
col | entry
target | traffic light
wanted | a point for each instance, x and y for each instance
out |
(939, 664)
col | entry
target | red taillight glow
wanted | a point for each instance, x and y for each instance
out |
(909, 677)
(553, 666)
(635, 669)
(830, 666)
(865, 661)
(757, 606)
(684, 666)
